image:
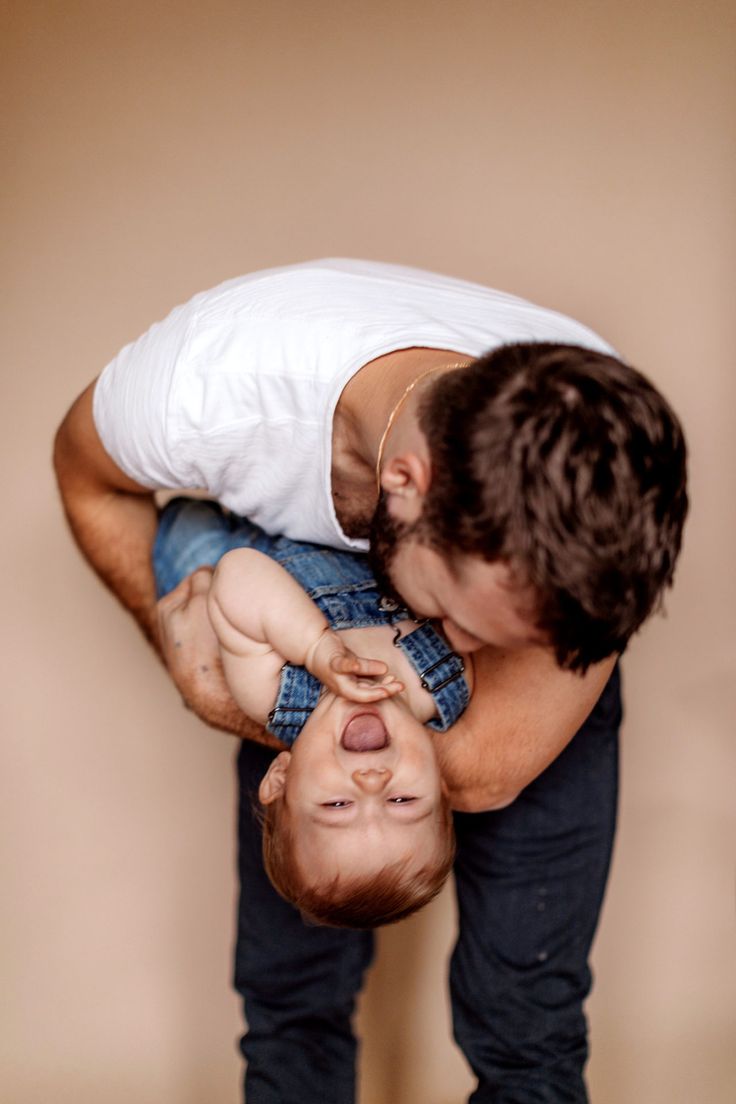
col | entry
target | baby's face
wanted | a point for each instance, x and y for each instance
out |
(363, 789)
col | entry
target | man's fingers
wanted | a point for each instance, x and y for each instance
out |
(177, 597)
(201, 580)
(198, 582)
(187, 639)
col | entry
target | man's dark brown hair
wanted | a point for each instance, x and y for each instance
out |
(570, 466)
(359, 901)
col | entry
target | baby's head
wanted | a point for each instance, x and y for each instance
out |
(357, 827)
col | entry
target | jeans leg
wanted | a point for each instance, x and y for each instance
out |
(299, 982)
(530, 882)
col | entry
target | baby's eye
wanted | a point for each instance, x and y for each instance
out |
(336, 804)
(401, 800)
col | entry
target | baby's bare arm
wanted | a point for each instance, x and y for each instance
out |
(262, 617)
(257, 607)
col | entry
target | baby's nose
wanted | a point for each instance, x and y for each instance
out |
(372, 780)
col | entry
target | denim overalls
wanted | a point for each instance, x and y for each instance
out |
(194, 533)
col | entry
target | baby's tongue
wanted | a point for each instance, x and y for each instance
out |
(366, 732)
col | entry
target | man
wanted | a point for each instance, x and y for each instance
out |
(531, 500)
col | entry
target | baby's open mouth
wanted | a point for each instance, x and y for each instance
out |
(364, 732)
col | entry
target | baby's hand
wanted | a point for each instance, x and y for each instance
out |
(349, 675)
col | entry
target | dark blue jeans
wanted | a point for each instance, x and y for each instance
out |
(530, 881)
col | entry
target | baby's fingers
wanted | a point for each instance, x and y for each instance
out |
(391, 685)
(370, 691)
(370, 668)
(366, 690)
(349, 664)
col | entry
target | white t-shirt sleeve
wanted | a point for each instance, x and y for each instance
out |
(132, 403)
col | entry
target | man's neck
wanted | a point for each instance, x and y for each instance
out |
(361, 417)
(368, 400)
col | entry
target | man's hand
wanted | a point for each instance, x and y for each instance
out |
(349, 675)
(191, 653)
(188, 642)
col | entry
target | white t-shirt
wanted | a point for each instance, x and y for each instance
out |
(235, 391)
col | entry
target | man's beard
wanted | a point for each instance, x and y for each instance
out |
(386, 534)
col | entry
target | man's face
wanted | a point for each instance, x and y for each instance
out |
(355, 811)
(475, 601)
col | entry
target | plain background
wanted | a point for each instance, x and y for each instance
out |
(580, 154)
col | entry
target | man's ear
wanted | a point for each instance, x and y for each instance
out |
(405, 479)
(274, 780)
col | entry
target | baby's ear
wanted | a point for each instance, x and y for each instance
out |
(274, 780)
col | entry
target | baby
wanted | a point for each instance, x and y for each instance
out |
(357, 827)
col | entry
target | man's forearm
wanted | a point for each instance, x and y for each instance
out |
(116, 537)
(114, 528)
(475, 769)
(523, 712)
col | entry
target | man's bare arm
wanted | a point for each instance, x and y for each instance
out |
(523, 712)
(113, 520)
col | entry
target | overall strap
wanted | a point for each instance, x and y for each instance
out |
(440, 670)
(298, 694)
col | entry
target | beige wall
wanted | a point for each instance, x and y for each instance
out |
(577, 153)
